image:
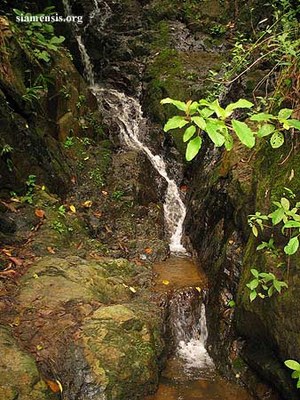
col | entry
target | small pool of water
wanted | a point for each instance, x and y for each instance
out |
(178, 272)
(190, 374)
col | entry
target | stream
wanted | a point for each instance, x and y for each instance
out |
(190, 373)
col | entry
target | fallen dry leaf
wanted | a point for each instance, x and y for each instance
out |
(87, 204)
(165, 282)
(73, 180)
(17, 261)
(40, 213)
(50, 250)
(148, 250)
(73, 209)
(9, 206)
(54, 386)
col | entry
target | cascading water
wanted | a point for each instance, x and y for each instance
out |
(187, 323)
(127, 112)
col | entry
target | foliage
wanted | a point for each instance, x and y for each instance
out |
(278, 46)
(264, 284)
(30, 185)
(38, 38)
(32, 94)
(218, 124)
(295, 366)
(288, 215)
(69, 142)
(81, 101)
(5, 153)
(117, 194)
(58, 227)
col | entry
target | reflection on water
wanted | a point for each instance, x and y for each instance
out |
(178, 272)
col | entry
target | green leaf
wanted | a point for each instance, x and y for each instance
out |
(277, 139)
(253, 295)
(200, 122)
(244, 133)
(291, 224)
(261, 117)
(254, 231)
(296, 374)
(178, 104)
(292, 364)
(294, 123)
(277, 216)
(221, 113)
(189, 133)
(206, 112)
(175, 122)
(285, 113)
(254, 272)
(266, 130)
(212, 129)
(253, 284)
(193, 148)
(193, 107)
(285, 203)
(292, 246)
(242, 103)
(57, 40)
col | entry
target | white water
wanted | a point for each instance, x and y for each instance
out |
(128, 114)
(193, 351)
(129, 117)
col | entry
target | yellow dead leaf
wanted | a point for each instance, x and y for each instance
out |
(132, 289)
(87, 204)
(35, 276)
(43, 187)
(39, 347)
(198, 288)
(165, 282)
(73, 209)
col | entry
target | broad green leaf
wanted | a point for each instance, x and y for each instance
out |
(262, 246)
(277, 139)
(271, 291)
(298, 384)
(292, 364)
(253, 295)
(193, 148)
(221, 113)
(296, 374)
(242, 103)
(261, 117)
(206, 112)
(285, 113)
(212, 131)
(292, 246)
(254, 272)
(200, 122)
(265, 130)
(175, 122)
(193, 107)
(277, 216)
(294, 123)
(189, 133)
(291, 224)
(178, 104)
(244, 133)
(253, 284)
(285, 203)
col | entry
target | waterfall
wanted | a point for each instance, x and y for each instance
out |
(86, 61)
(187, 324)
(127, 112)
